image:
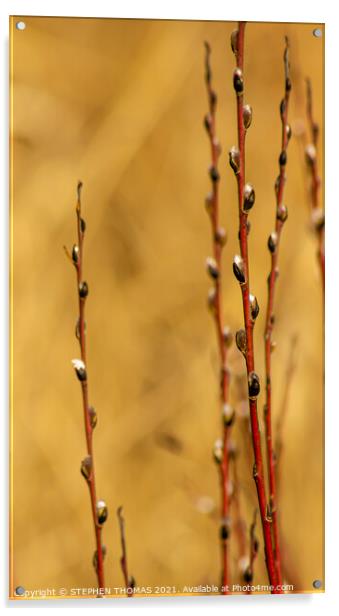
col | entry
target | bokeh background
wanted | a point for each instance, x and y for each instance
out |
(119, 104)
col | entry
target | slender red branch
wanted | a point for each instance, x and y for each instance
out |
(250, 305)
(129, 581)
(239, 522)
(99, 509)
(279, 440)
(215, 304)
(317, 214)
(273, 245)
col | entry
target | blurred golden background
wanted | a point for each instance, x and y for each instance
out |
(119, 104)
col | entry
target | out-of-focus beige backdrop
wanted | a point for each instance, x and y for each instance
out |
(119, 104)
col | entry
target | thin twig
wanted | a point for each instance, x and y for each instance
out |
(254, 548)
(246, 197)
(129, 581)
(273, 246)
(317, 214)
(215, 304)
(279, 431)
(239, 522)
(99, 508)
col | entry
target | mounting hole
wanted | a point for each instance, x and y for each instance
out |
(20, 25)
(19, 591)
(317, 584)
(317, 32)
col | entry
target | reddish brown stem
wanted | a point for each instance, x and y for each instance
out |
(239, 169)
(239, 523)
(81, 335)
(317, 217)
(218, 239)
(129, 581)
(279, 441)
(274, 244)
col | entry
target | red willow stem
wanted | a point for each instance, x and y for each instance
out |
(250, 306)
(129, 581)
(279, 441)
(99, 509)
(215, 303)
(239, 522)
(273, 245)
(318, 220)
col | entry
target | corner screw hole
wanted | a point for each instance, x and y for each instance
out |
(19, 591)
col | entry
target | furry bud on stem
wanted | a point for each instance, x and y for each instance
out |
(86, 467)
(227, 337)
(234, 159)
(228, 414)
(93, 418)
(212, 268)
(282, 108)
(75, 254)
(102, 511)
(253, 385)
(224, 532)
(214, 174)
(80, 369)
(283, 158)
(310, 154)
(238, 269)
(248, 575)
(95, 557)
(211, 297)
(234, 41)
(288, 131)
(220, 236)
(272, 242)
(249, 197)
(247, 116)
(208, 123)
(241, 341)
(282, 213)
(254, 306)
(218, 451)
(83, 289)
(238, 81)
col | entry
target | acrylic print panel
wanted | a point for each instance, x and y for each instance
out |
(149, 423)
